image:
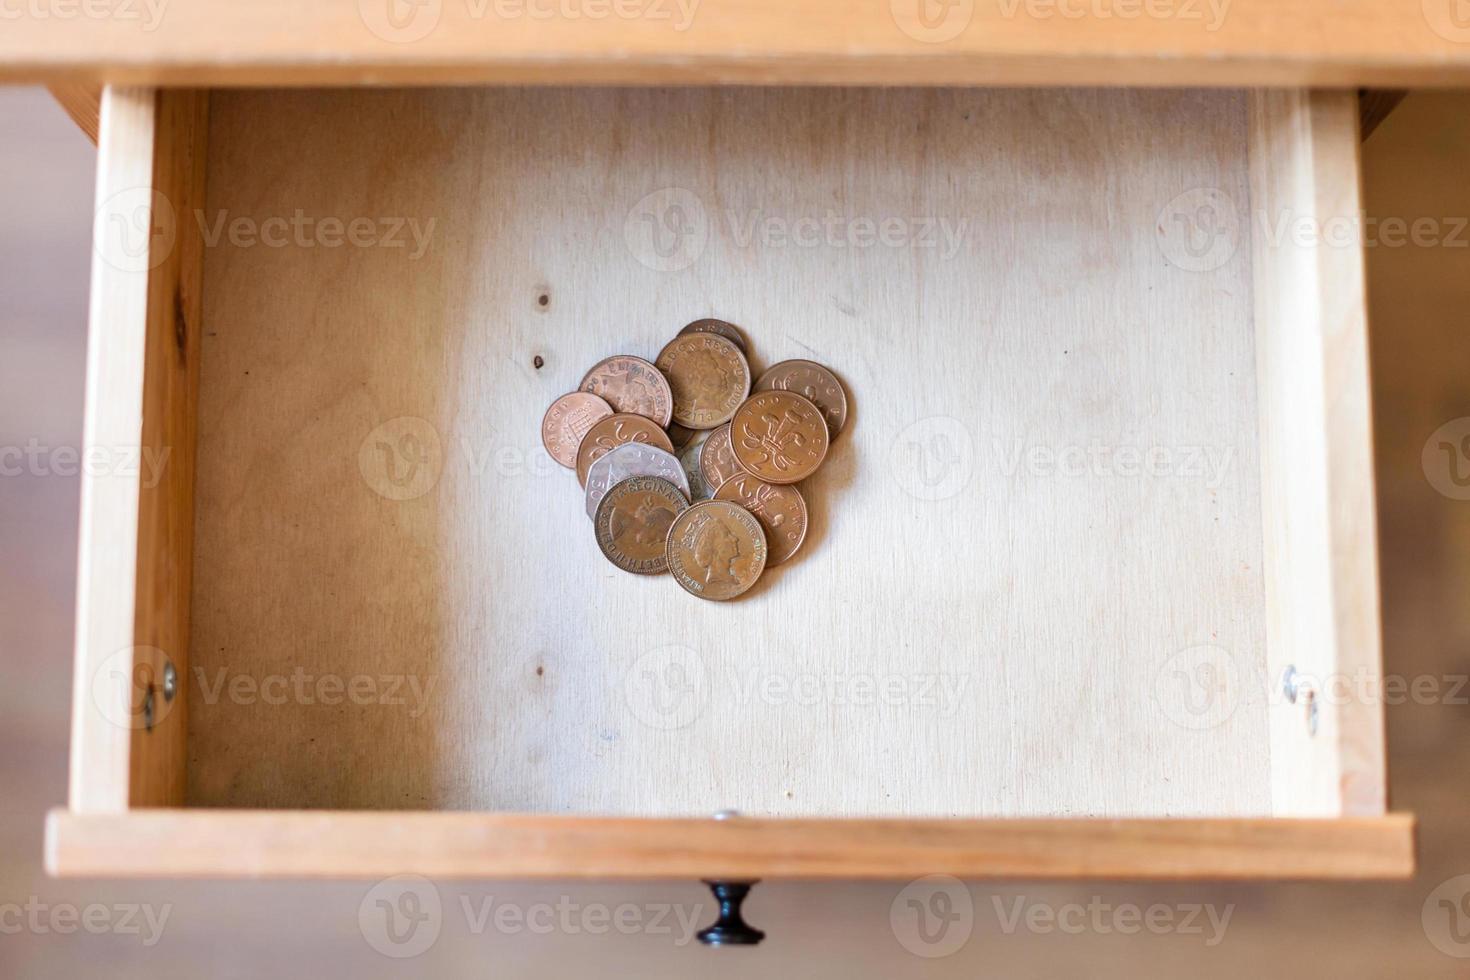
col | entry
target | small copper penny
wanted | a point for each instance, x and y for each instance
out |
(717, 459)
(710, 325)
(567, 421)
(813, 382)
(633, 521)
(708, 376)
(631, 384)
(780, 509)
(779, 436)
(612, 432)
(716, 549)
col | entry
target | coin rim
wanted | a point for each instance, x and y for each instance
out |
(771, 559)
(677, 465)
(573, 464)
(597, 524)
(662, 423)
(582, 477)
(820, 458)
(765, 559)
(738, 340)
(831, 432)
(744, 362)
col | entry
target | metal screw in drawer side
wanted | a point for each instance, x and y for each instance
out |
(1295, 686)
(170, 681)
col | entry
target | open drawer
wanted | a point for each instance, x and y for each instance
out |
(1091, 585)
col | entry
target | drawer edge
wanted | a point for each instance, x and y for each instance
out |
(183, 843)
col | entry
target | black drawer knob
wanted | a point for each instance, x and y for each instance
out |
(730, 929)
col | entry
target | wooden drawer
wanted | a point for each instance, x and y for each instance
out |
(1107, 486)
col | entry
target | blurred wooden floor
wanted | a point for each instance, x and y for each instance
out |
(1417, 165)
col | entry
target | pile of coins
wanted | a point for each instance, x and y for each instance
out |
(716, 511)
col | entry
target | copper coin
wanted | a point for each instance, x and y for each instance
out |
(632, 523)
(627, 461)
(567, 421)
(630, 384)
(716, 549)
(780, 509)
(717, 459)
(708, 376)
(710, 325)
(813, 382)
(613, 431)
(779, 436)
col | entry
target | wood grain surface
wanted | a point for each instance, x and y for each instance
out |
(1321, 541)
(1346, 43)
(194, 842)
(1043, 514)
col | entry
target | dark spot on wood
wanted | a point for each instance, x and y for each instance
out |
(181, 327)
(537, 362)
(543, 300)
(540, 671)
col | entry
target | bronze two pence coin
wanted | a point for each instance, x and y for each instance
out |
(717, 459)
(780, 509)
(716, 550)
(567, 421)
(633, 521)
(813, 382)
(779, 436)
(710, 325)
(631, 384)
(708, 376)
(614, 431)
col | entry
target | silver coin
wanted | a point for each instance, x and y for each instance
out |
(627, 461)
(689, 457)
